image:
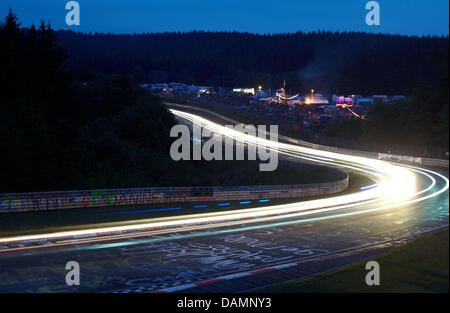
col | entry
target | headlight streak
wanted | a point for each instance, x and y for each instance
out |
(256, 227)
(398, 184)
(395, 185)
(278, 224)
(340, 208)
(369, 186)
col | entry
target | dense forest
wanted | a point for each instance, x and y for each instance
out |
(329, 62)
(58, 132)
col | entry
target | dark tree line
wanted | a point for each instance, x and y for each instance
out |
(59, 133)
(327, 61)
(62, 129)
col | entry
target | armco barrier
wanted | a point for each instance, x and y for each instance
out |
(435, 162)
(40, 201)
(376, 155)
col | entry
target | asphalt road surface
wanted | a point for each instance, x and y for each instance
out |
(176, 253)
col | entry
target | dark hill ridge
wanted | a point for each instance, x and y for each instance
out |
(60, 133)
(326, 61)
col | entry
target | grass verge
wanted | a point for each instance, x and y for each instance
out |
(419, 266)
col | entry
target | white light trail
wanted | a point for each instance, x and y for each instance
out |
(395, 186)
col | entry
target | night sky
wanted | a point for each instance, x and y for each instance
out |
(410, 17)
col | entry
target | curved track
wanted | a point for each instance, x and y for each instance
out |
(162, 253)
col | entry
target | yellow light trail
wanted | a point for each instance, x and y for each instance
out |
(289, 98)
(396, 185)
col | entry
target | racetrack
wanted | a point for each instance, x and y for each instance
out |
(163, 253)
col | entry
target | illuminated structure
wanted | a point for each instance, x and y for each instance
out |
(344, 102)
(245, 90)
(316, 99)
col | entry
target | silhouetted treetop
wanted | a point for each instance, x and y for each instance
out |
(347, 62)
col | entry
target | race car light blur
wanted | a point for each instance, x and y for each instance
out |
(395, 185)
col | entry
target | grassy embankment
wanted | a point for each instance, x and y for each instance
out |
(419, 266)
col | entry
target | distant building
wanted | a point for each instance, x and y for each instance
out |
(178, 87)
(244, 90)
(316, 99)
(355, 97)
(319, 99)
(364, 102)
(344, 102)
(199, 89)
(261, 93)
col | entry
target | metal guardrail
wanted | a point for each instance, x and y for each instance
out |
(435, 162)
(40, 201)
(375, 155)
